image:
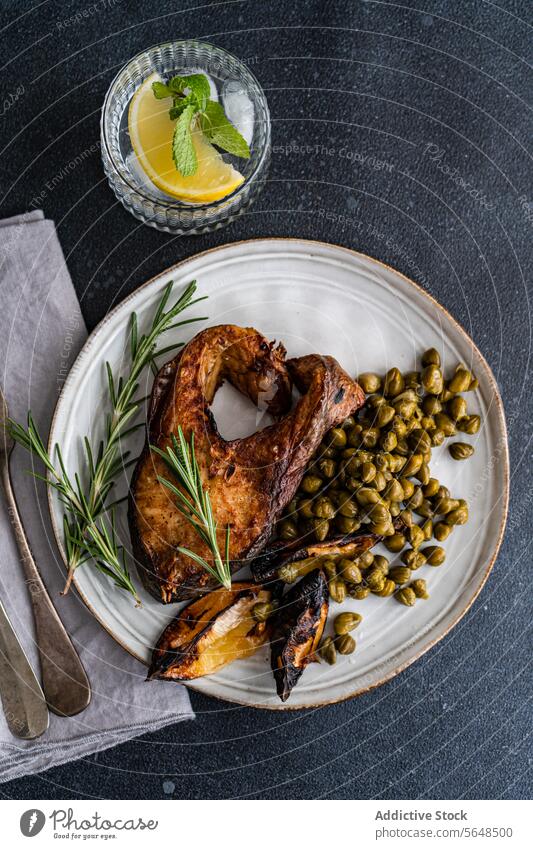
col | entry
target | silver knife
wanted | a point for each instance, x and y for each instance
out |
(22, 698)
(65, 684)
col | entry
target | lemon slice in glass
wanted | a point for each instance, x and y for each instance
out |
(151, 131)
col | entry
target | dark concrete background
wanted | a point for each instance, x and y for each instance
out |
(383, 80)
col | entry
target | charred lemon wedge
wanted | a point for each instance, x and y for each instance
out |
(211, 632)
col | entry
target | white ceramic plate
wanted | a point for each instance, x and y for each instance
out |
(316, 298)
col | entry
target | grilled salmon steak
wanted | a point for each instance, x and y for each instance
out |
(250, 480)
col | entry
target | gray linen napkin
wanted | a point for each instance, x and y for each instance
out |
(41, 331)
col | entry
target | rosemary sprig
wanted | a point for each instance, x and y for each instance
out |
(89, 527)
(194, 503)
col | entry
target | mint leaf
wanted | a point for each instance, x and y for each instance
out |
(198, 86)
(216, 127)
(183, 152)
(161, 90)
(180, 103)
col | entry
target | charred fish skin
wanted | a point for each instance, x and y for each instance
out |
(250, 481)
(297, 630)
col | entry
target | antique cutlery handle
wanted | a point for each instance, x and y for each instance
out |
(65, 684)
(22, 698)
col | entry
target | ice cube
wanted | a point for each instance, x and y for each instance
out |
(239, 108)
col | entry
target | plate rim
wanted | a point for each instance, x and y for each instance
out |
(500, 410)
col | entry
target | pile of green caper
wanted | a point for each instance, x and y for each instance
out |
(372, 473)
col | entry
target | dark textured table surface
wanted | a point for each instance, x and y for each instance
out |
(438, 91)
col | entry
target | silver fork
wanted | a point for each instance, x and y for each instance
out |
(65, 684)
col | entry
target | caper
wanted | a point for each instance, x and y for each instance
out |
(460, 382)
(387, 589)
(323, 508)
(348, 508)
(431, 405)
(366, 496)
(262, 610)
(288, 573)
(432, 379)
(375, 401)
(431, 357)
(427, 529)
(375, 580)
(382, 529)
(370, 436)
(434, 554)
(457, 407)
(474, 383)
(469, 424)
(423, 473)
(337, 590)
(345, 644)
(445, 424)
(360, 592)
(380, 481)
(327, 651)
(288, 530)
(404, 408)
(389, 441)
(346, 622)
(393, 383)
(379, 513)
(437, 437)
(328, 468)
(346, 525)
(459, 516)
(442, 531)
(431, 488)
(385, 415)
(408, 488)
(330, 568)
(444, 505)
(406, 596)
(354, 435)
(311, 484)
(402, 449)
(348, 422)
(326, 452)
(419, 440)
(416, 498)
(381, 563)
(416, 536)
(367, 472)
(321, 529)
(337, 437)
(425, 509)
(419, 588)
(394, 490)
(412, 465)
(413, 559)
(399, 427)
(305, 508)
(406, 516)
(400, 574)
(427, 423)
(350, 571)
(366, 559)
(445, 395)
(461, 450)
(395, 542)
(369, 382)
